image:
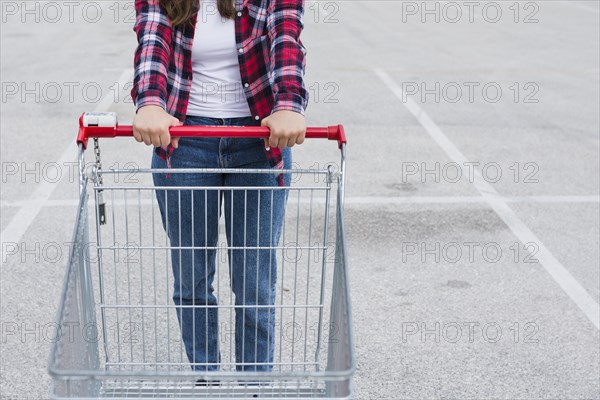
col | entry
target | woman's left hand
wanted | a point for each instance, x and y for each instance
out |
(287, 129)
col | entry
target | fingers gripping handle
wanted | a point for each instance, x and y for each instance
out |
(105, 125)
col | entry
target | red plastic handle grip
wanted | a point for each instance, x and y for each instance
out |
(335, 132)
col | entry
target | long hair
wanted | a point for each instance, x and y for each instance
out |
(181, 11)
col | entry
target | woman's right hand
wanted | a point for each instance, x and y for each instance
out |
(151, 126)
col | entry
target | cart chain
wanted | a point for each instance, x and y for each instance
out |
(101, 202)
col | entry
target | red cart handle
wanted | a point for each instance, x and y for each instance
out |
(104, 125)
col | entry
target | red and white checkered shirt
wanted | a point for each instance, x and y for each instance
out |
(270, 52)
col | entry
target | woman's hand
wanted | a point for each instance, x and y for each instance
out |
(287, 129)
(151, 126)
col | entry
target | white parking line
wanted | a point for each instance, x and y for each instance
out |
(360, 200)
(24, 217)
(467, 199)
(561, 275)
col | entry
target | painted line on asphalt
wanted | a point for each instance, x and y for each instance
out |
(29, 210)
(467, 199)
(557, 271)
(360, 200)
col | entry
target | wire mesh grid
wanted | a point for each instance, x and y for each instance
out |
(118, 297)
(292, 388)
(122, 336)
(138, 314)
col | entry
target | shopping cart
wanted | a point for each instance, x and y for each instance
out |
(119, 336)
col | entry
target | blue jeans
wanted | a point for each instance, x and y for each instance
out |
(252, 218)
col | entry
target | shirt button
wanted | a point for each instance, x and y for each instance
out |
(239, 14)
(246, 85)
(241, 51)
(257, 118)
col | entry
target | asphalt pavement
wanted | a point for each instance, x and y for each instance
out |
(472, 189)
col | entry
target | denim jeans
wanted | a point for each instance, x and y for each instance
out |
(253, 218)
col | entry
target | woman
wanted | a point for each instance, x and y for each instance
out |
(221, 62)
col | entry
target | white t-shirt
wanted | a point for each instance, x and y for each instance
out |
(217, 89)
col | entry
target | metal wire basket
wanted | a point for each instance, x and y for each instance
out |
(119, 330)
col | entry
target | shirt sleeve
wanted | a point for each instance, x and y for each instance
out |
(154, 34)
(288, 55)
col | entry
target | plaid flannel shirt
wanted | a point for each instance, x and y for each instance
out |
(270, 52)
